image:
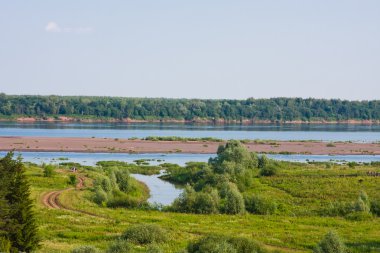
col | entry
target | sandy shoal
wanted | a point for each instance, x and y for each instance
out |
(110, 145)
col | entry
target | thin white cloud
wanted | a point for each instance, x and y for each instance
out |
(54, 27)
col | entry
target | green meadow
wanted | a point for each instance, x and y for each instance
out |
(303, 194)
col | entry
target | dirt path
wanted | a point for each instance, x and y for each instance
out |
(51, 199)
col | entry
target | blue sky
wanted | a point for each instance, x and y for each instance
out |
(192, 49)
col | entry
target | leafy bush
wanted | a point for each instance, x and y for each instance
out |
(262, 162)
(145, 234)
(48, 170)
(224, 244)
(72, 179)
(268, 171)
(100, 196)
(234, 202)
(197, 202)
(85, 249)
(260, 205)
(206, 203)
(337, 209)
(119, 246)
(331, 243)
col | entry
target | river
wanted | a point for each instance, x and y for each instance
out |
(322, 132)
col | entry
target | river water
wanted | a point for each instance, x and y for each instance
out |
(323, 132)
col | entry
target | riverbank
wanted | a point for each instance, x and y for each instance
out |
(62, 119)
(110, 145)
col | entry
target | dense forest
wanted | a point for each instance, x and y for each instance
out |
(274, 109)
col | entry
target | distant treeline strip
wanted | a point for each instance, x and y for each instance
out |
(274, 109)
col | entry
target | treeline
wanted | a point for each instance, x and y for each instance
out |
(274, 109)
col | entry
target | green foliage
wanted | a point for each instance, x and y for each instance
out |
(48, 170)
(361, 208)
(154, 249)
(359, 216)
(115, 188)
(85, 249)
(224, 244)
(73, 179)
(191, 201)
(260, 204)
(375, 207)
(331, 243)
(234, 202)
(119, 246)
(268, 170)
(19, 225)
(274, 109)
(263, 161)
(5, 245)
(232, 158)
(100, 196)
(145, 234)
(141, 167)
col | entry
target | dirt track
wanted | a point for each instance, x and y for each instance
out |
(51, 199)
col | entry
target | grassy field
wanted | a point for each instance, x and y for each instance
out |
(303, 190)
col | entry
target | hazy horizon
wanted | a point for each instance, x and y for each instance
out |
(199, 49)
(189, 98)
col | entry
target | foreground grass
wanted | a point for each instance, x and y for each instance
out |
(63, 230)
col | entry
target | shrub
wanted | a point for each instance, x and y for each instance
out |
(72, 179)
(85, 249)
(234, 202)
(154, 249)
(362, 204)
(145, 234)
(224, 244)
(206, 203)
(375, 207)
(100, 196)
(359, 216)
(119, 246)
(48, 170)
(268, 171)
(5, 245)
(245, 245)
(263, 161)
(331, 243)
(260, 205)
(337, 209)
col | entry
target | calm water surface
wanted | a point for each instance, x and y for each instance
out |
(323, 132)
(161, 192)
(181, 159)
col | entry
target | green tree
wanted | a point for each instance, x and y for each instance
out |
(234, 202)
(331, 243)
(21, 224)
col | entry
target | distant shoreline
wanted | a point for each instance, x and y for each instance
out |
(63, 119)
(115, 145)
